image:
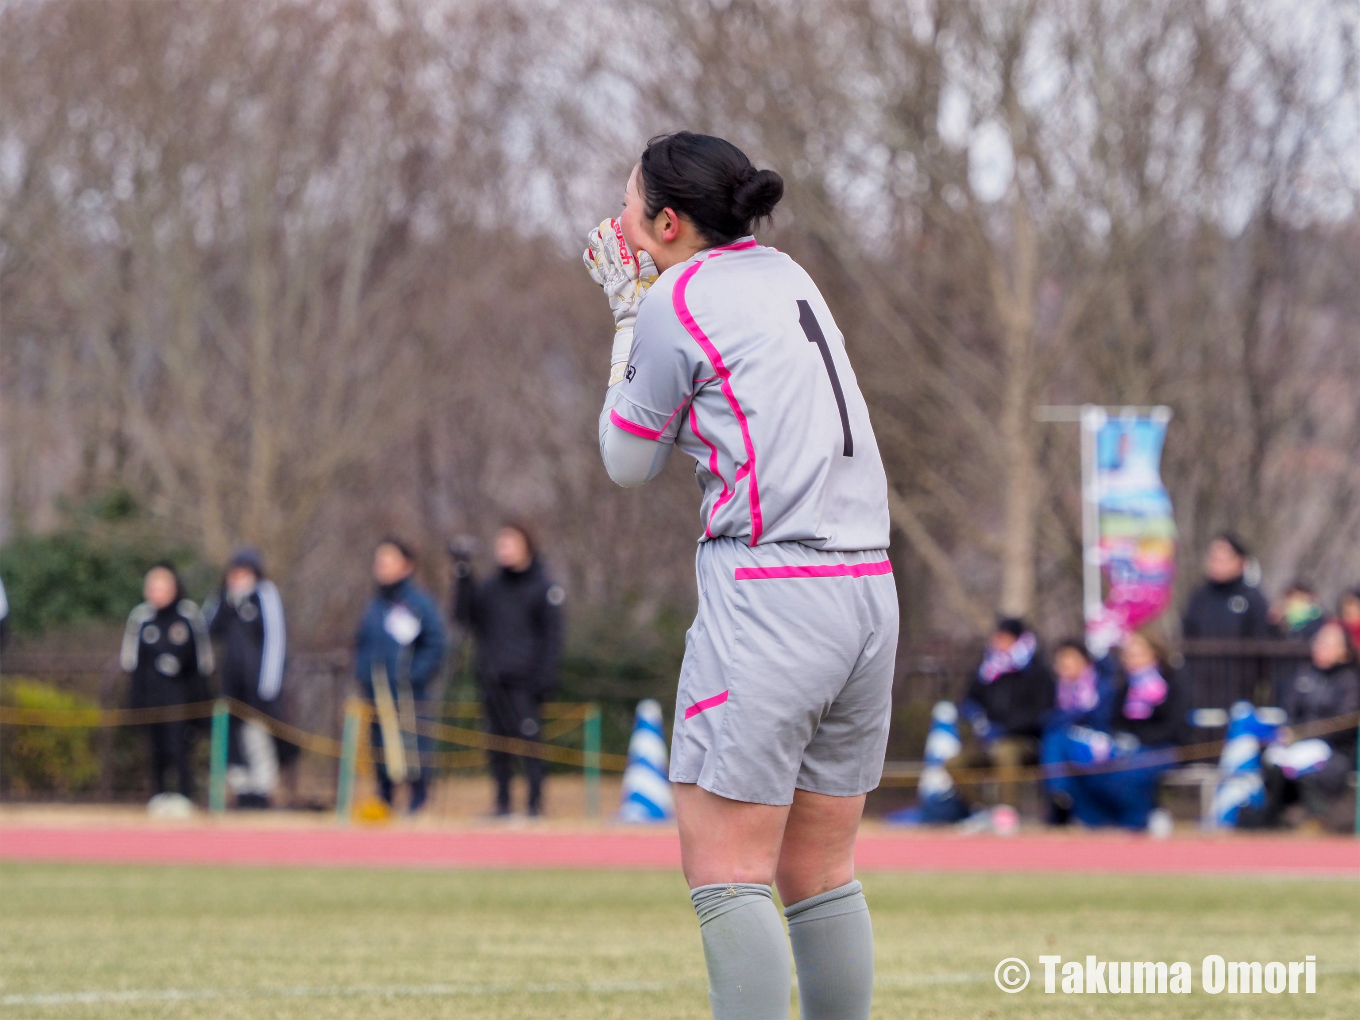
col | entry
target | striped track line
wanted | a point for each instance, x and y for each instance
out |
(640, 848)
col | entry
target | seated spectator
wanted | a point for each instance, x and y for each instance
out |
(1006, 703)
(1298, 614)
(1225, 605)
(1083, 698)
(1148, 709)
(1314, 771)
(1348, 613)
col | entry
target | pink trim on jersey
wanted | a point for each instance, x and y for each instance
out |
(687, 320)
(726, 493)
(735, 246)
(633, 427)
(705, 705)
(643, 430)
(821, 570)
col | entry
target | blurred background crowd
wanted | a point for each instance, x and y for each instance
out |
(281, 278)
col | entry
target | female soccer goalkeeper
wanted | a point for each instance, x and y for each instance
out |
(782, 716)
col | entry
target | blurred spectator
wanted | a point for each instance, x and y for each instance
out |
(246, 619)
(167, 652)
(1149, 706)
(401, 632)
(4, 617)
(1084, 697)
(1298, 613)
(1006, 703)
(1348, 612)
(1315, 771)
(516, 617)
(1225, 605)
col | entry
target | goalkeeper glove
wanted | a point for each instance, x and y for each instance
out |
(625, 278)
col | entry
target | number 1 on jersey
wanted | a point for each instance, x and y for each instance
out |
(813, 329)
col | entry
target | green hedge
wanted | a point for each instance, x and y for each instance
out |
(90, 570)
(41, 759)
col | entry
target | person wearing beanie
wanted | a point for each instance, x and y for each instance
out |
(246, 620)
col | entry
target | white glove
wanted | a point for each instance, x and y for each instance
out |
(625, 278)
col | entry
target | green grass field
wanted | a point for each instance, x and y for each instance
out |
(123, 942)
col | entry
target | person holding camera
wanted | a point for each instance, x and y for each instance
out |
(515, 617)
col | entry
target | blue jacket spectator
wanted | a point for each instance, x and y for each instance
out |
(1084, 689)
(401, 628)
(1144, 715)
(375, 642)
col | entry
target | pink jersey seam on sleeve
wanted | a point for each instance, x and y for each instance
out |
(632, 426)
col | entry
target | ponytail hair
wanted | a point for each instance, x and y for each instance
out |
(710, 181)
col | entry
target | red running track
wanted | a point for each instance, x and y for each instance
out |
(641, 849)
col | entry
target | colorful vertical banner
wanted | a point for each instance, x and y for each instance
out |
(1135, 540)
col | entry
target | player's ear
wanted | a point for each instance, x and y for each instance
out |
(668, 224)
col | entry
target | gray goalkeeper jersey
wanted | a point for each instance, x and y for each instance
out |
(737, 360)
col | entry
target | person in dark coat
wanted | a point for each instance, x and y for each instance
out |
(169, 657)
(1225, 605)
(1314, 771)
(516, 618)
(246, 620)
(1147, 719)
(401, 629)
(1005, 705)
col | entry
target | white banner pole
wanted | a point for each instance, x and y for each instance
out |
(1093, 418)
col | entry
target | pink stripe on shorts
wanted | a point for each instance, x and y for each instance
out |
(817, 570)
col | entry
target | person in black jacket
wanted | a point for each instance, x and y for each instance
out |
(1314, 771)
(167, 652)
(1225, 605)
(1006, 704)
(516, 618)
(246, 619)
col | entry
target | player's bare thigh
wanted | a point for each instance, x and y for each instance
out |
(807, 847)
(818, 850)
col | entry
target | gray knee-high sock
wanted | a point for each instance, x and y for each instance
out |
(746, 953)
(833, 949)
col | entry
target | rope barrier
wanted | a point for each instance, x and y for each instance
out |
(513, 745)
(569, 717)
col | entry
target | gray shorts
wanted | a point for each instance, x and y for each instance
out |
(787, 679)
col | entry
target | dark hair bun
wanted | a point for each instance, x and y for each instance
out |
(709, 180)
(756, 197)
